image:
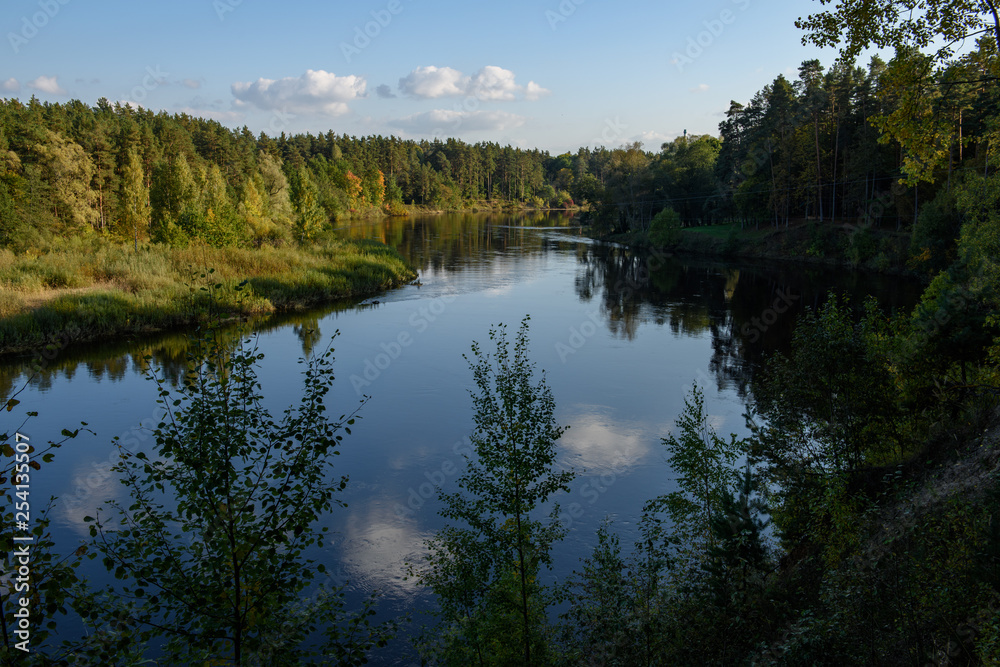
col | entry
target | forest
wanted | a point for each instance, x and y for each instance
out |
(838, 145)
(855, 523)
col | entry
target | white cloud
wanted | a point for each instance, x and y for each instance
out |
(533, 91)
(377, 544)
(316, 91)
(448, 122)
(47, 84)
(191, 83)
(700, 88)
(431, 82)
(11, 85)
(491, 83)
(385, 92)
(653, 139)
(597, 443)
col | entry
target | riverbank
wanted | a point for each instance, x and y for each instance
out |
(82, 291)
(492, 206)
(828, 244)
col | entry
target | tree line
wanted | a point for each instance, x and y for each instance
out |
(862, 145)
(140, 176)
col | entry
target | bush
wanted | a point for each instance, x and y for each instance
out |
(862, 246)
(935, 234)
(665, 229)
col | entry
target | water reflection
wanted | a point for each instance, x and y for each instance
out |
(597, 444)
(748, 309)
(455, 241)
(644, 327)
(377, 549)
(167, 353)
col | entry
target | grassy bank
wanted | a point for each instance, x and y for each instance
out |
(89, 289)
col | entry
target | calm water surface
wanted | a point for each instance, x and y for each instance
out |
(621, 336)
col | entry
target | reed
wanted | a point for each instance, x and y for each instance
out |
(101, 290)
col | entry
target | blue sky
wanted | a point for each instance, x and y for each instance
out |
(552, 74)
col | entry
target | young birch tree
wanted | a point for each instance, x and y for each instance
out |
(484, 566)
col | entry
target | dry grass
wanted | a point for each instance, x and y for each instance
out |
(106, 289)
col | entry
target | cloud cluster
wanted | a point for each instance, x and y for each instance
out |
(491, 83)
(11, 85)
(433, 82)
(316, 91)
(47, 84)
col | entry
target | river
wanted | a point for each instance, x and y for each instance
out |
(621, 336)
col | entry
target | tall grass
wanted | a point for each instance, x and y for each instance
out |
(102, 290)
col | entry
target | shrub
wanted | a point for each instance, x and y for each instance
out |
(665, 228)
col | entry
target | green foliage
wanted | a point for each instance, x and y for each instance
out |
(829, 407)
(618, 614)
(135, 211)
(704, 464)
(691, 592)
(308, 216)
(228, 499)
(9, 223)
(484, 568)
(128, 291)
(859, 24)
(978, 200)
(665, 228)
(68, 171)
(862, 247)
(738, 551)
(35, 571)
(830, 404)
(955, 322)
(935, 234)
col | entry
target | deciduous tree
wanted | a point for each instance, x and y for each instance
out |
(485, 566)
